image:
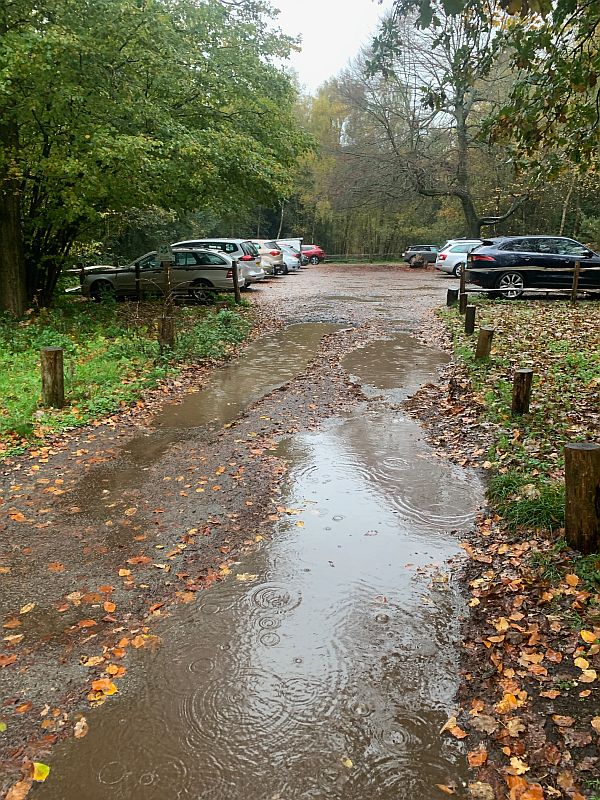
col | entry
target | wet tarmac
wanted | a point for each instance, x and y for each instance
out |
(326, 663)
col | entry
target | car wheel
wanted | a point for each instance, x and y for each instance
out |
(457, 271)
(511, 284)
(202, 291)
(285, 269)
(314, 259)
(102, 290)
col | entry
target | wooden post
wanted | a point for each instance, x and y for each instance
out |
(166, 324)
(521, 391)
(236, 282)
(451, 297)
(582, 496)
(138, 291)
(53, 376)
(576, 272)
(470, 312)
(484, 343)
(462, 303)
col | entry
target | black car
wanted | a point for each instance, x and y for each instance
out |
(515, 263)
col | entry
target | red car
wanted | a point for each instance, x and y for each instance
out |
(314, 253)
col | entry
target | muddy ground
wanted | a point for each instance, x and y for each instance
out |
(106, 533)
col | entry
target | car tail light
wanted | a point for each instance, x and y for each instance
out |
(442, 256)
(274, 252)
(475, 257)
(246, 258)
(229, 273)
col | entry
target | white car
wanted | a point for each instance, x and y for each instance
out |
(242, 250)
(290, 259)
(452, 258)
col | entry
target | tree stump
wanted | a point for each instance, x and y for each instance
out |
(521, 391)
(484, 343)
(582, 496)
(53, 377)
(470, 313)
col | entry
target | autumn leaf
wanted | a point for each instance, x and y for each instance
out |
(81, 728)
(477, 757)
(588, 676)
(27, 608)
(572, 579)
(93, 661)
(130, 512)
(123, 573)
(56, 566)
(104, 685)
(588, 637)
(245, 576)
(517, 766)
(446, 789)
(39, 771)
(109, 607)
(86, 623)
(348, 763)
(6, 661)
(19, 790)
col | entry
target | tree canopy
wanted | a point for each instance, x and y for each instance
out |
(108, 105)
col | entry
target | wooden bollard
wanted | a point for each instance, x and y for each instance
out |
(582, 496)
(575, 286)
(470, 312)
(451, 297)
(521, 391)
(53, 376)
(484, 343)
(236, 282)
(463, 299)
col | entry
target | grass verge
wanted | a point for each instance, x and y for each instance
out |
(111, 356)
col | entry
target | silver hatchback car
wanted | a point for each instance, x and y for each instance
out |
(243, 250)
(196, 272)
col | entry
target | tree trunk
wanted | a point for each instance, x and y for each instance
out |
(13, 293)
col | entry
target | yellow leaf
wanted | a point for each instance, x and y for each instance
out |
(348, 763)
(588, 637)
(124, 572)
(596, 724)
(300, 524)
(40, 771)
(582, 663)
(588, 676)
(129, 512)
(26, 609)
(572, 579)
(93, 661)
(245, 576)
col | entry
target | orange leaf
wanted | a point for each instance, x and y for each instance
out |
(20, 790)
(56, 566)
(477, 757)
(86, 623)
(109, 607)
(572, 579)
(24, 707)
(446, 789)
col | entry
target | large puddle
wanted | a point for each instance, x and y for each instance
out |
(326, 666)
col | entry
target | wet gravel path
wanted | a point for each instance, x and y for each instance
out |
(169, 563)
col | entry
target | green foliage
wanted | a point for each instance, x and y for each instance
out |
(111, 356)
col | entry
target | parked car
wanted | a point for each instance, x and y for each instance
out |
(243, 250)
(452, 258)
(291, 257)
(427, 252)
(515, 263)
(271, 257)
(314, 253)
(296, 245)
(196, 272)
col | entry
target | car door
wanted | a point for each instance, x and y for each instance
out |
(184, 271)
(556, 268)
(572, 251)
(151, 280)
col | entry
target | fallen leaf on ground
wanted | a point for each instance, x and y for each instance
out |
(27, 608)
(246, 576)
(40, 771)
(81, 728)
(20, 790)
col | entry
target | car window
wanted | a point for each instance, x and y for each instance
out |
(465, 247)
(272, 245)
(547, 246)
(249, 249)
(185, 259)
(522, 246)
(210, 258)
(149, 262)
(569, 247)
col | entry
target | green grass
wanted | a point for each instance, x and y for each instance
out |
(111, 356)
(561, 343)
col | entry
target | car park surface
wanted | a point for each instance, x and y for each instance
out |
(512, 264)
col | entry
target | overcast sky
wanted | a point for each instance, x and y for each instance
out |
(332, 33)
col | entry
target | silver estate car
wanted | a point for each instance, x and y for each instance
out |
(196, 273)
(243, 250)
